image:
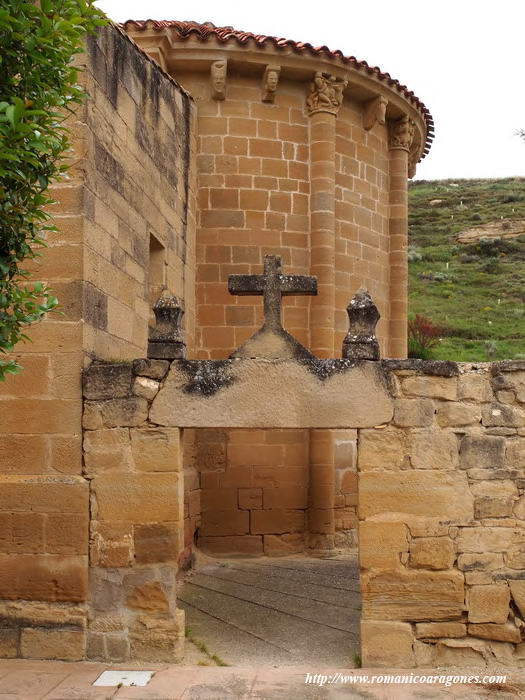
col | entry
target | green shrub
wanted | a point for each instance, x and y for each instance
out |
(38, 87)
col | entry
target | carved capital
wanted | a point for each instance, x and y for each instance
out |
(218, 74)
(402, 133)
(360, 342)
(375, 112)
(165, 340)
(326, 94)
(270, 82)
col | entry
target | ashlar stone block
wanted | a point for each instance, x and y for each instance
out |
(432, 553)
(488, 603)
(412, 595)
(413, 413)
(482, 452)
(381, 544)
(387, 644)
(156, 449)
(439, 494)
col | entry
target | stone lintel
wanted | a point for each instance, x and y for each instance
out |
(261, 393)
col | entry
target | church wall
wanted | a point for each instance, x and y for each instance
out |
(131, 178)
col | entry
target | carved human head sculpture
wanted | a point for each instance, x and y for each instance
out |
(270, 82)
(382, 103)
(218, 80)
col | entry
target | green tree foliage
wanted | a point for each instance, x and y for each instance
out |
(38, 88)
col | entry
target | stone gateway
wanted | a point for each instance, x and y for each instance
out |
(170, 404)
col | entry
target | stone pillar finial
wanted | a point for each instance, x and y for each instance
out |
(360, 342)
(402, 133)
(166, 341)
(326, 94)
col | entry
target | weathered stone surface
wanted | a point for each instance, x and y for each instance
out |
(106, 450)
(431, 387)
(150, 597)
(434, 450)
(501, 633)
(9, 639)
(478, 578)
(513, 380)
(515, 453)
(482, 452)
(139, 498)
(106, 381)
(156, 449)
(458, 414)
(515, 557)
(480, 562)
(111, 544)
(517, 589)
(431, 493)
(415, 413)
(387, 644)
(488, 603)
(40, 614)
(474, 387)
(382, 449)
(450, 653)
(154, 369)
(283, 545)
(66, 645)
(381, 544)
(157, 639)
(158, 542)
(432, 553)
(43, 493)
(145, 387)
(412, 595)
(124, 412)
(493, 498)
(272, 394)
(499, 414)
(435, 630)
(43, 577)
(249, 545)
(484, 539)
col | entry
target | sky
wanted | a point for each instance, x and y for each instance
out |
(464, 59)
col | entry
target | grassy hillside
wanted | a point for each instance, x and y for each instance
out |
(475, 291)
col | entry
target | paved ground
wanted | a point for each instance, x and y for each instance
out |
(58, 680)
(282, 612)
(275, 621)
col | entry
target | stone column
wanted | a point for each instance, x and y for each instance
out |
(401, 136)
(323, 102)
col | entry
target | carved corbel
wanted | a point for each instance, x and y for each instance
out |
(402, 133)
(270, 82)
(326, 94)
(218, 74)
(375, 112)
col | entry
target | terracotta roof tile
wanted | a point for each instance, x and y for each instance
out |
(185, 30)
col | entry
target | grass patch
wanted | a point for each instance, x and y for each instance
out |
(476, 291)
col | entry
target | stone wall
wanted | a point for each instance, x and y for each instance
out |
(131, 184)
(442, 518)
(137, 509)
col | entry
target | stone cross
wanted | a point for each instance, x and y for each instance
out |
(272, 286)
